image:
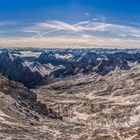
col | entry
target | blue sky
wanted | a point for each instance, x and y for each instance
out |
(113, 19)
(120, 11)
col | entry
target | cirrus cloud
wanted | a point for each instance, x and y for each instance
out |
(55, 33)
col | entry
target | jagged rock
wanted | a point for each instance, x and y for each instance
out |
(25, 98)
(50, 57)
(106, 66)
(17, 69)
(49, 65)
(88, 58)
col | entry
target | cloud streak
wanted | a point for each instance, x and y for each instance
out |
(82, 34)
(84, 27)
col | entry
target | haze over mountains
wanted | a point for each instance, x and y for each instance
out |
(70, 94)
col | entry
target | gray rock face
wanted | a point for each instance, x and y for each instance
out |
(106, 66)
(50, 57)
(132, 57)
(90, 62)
(17, 69)
(88, 58)
(25, 100)
(97, 107)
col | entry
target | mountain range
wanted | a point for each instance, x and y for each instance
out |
(70, 94)
(63, 63)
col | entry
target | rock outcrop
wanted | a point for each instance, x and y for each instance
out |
(106, 66)
(25, 100)
(17, 69)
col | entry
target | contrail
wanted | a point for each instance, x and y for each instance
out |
(38, 35)
(44, 33)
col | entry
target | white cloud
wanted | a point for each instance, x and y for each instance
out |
(84, 33)
(84, 27)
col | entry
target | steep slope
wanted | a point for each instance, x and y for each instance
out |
(104, 107)
(17, 69)
(51, 57)
(88, 61)
(106, 66)
(95, 97)
(20, 111)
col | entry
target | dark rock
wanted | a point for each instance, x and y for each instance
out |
(106, 66)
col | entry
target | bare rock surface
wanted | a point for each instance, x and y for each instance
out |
(21, 113)
(96, 107)
(80, 95)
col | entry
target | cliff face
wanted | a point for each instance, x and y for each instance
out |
(17, 69)
(25, 98)
(19, 109)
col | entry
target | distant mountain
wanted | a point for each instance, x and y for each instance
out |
(17, 69)
(89, 62)
(106, 66)
(64, 63)
(125, 56)
(88, 58)
(52, 58)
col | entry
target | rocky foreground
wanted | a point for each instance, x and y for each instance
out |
(92, 107)
(21, 113)
(96, 107)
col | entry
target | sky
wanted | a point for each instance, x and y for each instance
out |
(70, 23)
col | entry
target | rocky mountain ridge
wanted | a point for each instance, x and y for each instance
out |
(91, 95)
(63, 64)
